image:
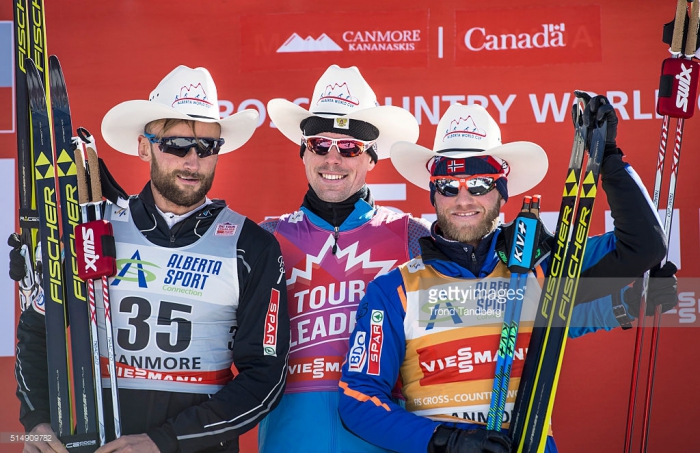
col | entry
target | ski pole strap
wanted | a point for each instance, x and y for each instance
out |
(620, 312)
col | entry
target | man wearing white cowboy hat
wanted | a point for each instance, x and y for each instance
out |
(333, 246)
(443, 364)
(184, 261)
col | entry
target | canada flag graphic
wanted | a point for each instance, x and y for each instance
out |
(296, 43)
(192, 94)
(338, 92)
(465, 126)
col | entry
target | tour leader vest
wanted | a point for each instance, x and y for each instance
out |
(324, 289)
(453, 328)
(173, 309)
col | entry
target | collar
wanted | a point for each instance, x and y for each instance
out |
(477, 260)
(361, 214)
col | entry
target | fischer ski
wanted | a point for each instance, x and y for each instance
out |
(547, 347)
(52, 280)
(75, 291)
(520, 263)
(56, 295)
(28, 215)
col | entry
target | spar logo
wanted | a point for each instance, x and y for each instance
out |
(376, 340)
(192, 94)
(463, 128)
(404, 40)
(479, 39)
(132, 270)
(270, 342)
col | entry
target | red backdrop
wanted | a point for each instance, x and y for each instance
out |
(420, 55)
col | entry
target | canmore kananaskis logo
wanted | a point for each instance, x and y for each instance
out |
(355, 41)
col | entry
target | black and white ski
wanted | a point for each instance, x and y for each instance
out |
(52, 278)
(543, 363)
(64, 293)
(83, 379)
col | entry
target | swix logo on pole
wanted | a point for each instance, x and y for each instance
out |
(678, 88)
(89, 255)
(684, 79)
(96, 252)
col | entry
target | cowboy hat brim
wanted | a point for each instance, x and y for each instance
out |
(527, 162)
(394, 123)
(125, 122)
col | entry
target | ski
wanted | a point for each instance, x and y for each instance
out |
(520, 263)
(75, 291)
(545, 354)
(561, 235)
(52, 280)
(551, 357)
(28, 216)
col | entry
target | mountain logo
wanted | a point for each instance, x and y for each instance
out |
(463, 126)
(296, 43)
(339, 93)
(192, 94)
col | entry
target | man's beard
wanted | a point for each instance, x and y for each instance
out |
(166, 185)
(469, 234)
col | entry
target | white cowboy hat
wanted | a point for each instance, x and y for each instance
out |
(185, 93)
(343, 92)
(469, 131)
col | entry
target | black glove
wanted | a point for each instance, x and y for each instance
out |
(598, 109)
(17, 264)
(455, 440)
(662, 290)
(30, 290)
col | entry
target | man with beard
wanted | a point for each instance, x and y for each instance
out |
(435, 322)
(196, 286)
(335, 244)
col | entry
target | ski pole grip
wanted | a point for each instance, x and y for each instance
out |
(678, 26)
(692, 39)
(94, 168)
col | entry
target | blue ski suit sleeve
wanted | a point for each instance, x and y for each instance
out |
(366, 406)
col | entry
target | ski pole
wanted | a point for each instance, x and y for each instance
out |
(84, 197)
(92, 211)
(670, 106)
(520, 261)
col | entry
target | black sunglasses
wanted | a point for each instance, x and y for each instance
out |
(477, 185)
(180, 146)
